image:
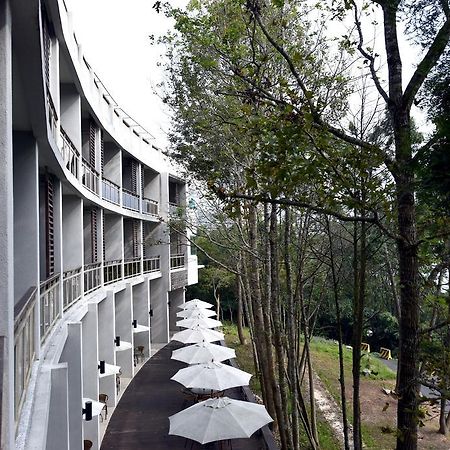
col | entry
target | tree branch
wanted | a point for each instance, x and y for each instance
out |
(429, 60)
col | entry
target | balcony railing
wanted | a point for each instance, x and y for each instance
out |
(90, 177)
(150, 207)
(24, 345)
(92, 277)
(130, 200)
(70, 154)
(132, 267)
(152, 264)
(49, 304)
(110, 191)
(177, 261)
(71, 287)
(112, 271)
(52, 116)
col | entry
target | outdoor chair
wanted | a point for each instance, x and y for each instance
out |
(103, 398)
(118, 382)
(138, 354)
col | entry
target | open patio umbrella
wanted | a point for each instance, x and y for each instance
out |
(212, 375)
(201, 322)
(203, 352)
(218, 419)
(198, 334)
(196, 313)
(196, 303)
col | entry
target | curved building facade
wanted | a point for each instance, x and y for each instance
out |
(91, 274)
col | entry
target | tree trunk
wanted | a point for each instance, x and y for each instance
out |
(240, 315)
(359, 268)
(276, 318)
(340, 340)
(260, 337)
(290, 322)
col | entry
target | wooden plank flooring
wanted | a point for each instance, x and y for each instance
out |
(140, 420)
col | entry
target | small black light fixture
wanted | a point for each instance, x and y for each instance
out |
(117, 341)
(101, 366)
(151, 313)
(87, 410)
(134, 323)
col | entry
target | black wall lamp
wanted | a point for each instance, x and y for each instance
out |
(134, 323)
(101, 366)
(117, 341)
(87, 410)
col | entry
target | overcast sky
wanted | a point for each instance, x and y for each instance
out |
(114, 35)
(115, 39)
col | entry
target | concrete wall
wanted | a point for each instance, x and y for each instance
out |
(72, 232)
(71, 113)
(112, 228)
(26, 214)
(124, 318)
(112, 168)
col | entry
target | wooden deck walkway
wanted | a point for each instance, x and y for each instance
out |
(140, 420)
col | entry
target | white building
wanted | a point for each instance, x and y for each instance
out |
(84, 244)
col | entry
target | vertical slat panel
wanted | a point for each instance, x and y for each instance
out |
(134, 176)
(94, 244)
(102, 153)
(47, 46)
(92, 133)
(135, 238)
(50, 226)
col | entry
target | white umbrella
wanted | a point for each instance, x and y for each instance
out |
(196, 303)
(195, 313)
(218, 419)
(202, 353)
(203, 323)
(198, 334)
(212, 375)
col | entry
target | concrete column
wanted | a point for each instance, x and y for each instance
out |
(141, 308)
(176, 299)
(106, 352)
(160, 312)
(90, 360)
(72, 355)
(58, 421)
(7, 229)
(123, 306)
(26, 213)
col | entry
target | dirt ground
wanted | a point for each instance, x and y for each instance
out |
(374, 400)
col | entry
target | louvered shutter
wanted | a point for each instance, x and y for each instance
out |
(47, 47)
(94, 245)
(92, 133)
(135, 239)
(102, 153)
(49, 226)
(134, 176)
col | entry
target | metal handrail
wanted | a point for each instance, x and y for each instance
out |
(132, 267)
(152, 264)
(69, 153)
(90, 177)
(92, 277)
(52, 115)
(177, 261)
(112, 271)
(150, 206)
(130, 200)
(110, 191)
(49, 304)
(71, 287)
(24, 345)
